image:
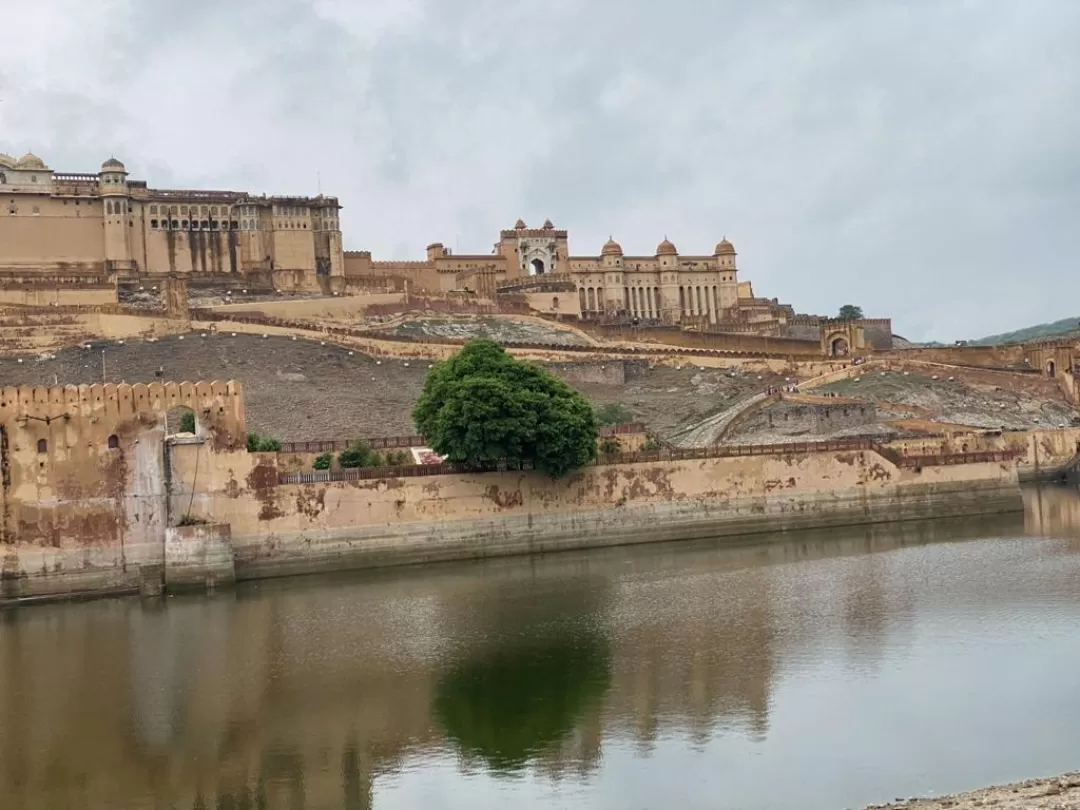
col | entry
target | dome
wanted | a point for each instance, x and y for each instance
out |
(30, 161)
(519, 225)
(7, 161)
(611, 248)
(112, 164)
(665, 248)
(724, 248)
(547, 226)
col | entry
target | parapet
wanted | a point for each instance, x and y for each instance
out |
(218, 405)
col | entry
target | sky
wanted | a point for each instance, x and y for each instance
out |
(918, 158)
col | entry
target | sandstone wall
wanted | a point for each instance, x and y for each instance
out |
(286, 529)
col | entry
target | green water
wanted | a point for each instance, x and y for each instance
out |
(815, 671)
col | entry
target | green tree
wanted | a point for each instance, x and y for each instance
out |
(613, 413)
(482, 405)
(322, 461)
(850, 312)
(187, 422)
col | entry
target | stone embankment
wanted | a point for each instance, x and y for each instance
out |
(1058, 793)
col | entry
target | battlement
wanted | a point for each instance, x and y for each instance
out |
(218, 406)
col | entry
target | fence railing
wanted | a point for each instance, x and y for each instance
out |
(666, 454)
(405, 442)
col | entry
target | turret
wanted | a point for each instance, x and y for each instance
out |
(112, 185)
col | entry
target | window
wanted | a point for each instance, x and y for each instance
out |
(114, 442)
(153, 209)
(183, 209)
(213, 210)
(33, 178)
(42, 446)
(36, 211)
(204, 224)
(183, 224)
(175, 225)
(205, 210)
(3, 177)
(153, 224)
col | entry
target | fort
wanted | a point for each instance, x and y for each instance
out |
(765, 418)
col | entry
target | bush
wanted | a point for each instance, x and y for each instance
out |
(397, 458)
(610, 445)
(613, 413)
(262, 444)
(359, 454)
(483, 406)
(651, 445)
(322, 461)
(187, 422)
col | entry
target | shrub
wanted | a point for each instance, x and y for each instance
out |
(613, 413)
(322, 461)
(610, 445)
(359, 454)
(651, 445)
(262, 444)
(187, 422)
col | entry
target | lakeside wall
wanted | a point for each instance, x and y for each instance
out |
(95, 496)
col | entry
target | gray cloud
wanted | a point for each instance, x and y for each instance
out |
(917, 158)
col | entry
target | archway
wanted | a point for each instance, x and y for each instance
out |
(1051, 369)
(838, 347)
(536, 267)
(182, 420)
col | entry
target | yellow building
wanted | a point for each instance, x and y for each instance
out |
(665, 287)
(105, 222)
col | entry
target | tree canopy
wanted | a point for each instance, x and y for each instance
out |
(850, 312)
(482, 405)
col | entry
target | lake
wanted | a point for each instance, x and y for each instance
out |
(823, 670)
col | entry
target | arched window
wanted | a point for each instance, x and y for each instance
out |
(114, 442)
(3, 177)
(42, 446)
(153, 224)
(108, 207)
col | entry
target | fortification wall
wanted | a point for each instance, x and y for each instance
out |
(84, 480)
(280, 529)
(40, 329)
(987, 356)
(808, 419)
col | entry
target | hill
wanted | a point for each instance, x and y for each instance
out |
(1066, 326)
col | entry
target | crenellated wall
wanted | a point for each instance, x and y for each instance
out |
(84, 478)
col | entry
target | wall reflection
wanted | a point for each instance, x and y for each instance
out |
(304, 693)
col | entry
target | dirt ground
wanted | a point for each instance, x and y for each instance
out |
(504, 330)
(1059, 793)
(969, 399)
(299, 390)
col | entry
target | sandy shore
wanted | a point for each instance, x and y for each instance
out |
(1058, 793)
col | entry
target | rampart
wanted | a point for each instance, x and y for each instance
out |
(97, 497)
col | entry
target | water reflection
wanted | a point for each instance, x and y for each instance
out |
(651, 676)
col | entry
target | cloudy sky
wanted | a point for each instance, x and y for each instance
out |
(920, 158)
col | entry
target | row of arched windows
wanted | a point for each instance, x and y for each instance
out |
(645, 302)
(193, 225)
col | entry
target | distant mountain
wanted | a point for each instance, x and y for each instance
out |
(1041, 331)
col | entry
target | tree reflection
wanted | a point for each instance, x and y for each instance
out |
(511, 703)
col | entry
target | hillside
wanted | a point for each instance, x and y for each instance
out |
(1040, 331)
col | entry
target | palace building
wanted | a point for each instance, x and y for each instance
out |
(666, 287)
(107, 223)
